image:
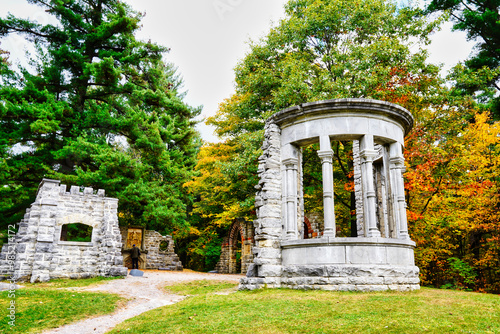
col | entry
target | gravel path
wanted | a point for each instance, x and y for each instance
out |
(145, 293)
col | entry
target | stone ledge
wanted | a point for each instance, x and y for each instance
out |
(333, 271)
(307, 283)
(328, 241)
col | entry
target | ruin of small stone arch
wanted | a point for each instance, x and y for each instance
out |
(41, 254)
(381, 256)
(240, 231)
(307, 230)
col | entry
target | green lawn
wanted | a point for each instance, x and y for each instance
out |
(213, 308)
(49, 305)
(288, 311)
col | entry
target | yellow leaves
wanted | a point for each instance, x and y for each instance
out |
(453, 191)
(483, 144)
(194, 231)
(227, 120)
(209, 158)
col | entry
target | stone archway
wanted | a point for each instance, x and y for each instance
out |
(236, 250)
(308, 230)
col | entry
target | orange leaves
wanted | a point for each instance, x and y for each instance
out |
(453, 193)
(413, 216)
(349, 186)
(401, 84)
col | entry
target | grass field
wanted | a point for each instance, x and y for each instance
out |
(216, 307)
(288, 311)
(48, 305)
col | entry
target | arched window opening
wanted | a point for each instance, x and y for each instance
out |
(235, 249)
(76, 232)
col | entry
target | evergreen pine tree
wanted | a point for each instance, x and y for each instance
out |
(97, 108)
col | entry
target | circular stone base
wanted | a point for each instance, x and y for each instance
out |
(339, 278)
(341, 264)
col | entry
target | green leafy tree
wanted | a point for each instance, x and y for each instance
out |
(480, 74)
(97, 107)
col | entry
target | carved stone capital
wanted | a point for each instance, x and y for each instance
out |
(368, 155)
(398, 162)
(326, 156)
(291, 163)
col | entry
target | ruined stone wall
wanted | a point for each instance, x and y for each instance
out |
(316, 225)
(40, 253)
(158, 259)
(266, 268)
(151, 255)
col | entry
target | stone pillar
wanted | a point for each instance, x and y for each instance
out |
(368, 153)
(358, 189)
(291, 165)
(47, 200)
(266, 267)
(326, 155)
(397, 189)
(110, 257)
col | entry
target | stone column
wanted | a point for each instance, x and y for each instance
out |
(358, 189)
(326, 155)
(291, 165)
(367, 154)
(48, 200)
(397, 167)
(270, 209)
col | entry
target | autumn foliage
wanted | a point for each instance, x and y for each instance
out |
(327, 49)
(452, 187)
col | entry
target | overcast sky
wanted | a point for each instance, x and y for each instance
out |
(208, 37)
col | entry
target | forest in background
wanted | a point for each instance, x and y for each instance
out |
(100, 108)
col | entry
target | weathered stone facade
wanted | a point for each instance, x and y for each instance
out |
(157, 251)
(42, 255)
(381, 256)
(229, 262)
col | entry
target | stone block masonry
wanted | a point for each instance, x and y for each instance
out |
(41, 253)
(157, 258)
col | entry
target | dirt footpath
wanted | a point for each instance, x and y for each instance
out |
(145, 293)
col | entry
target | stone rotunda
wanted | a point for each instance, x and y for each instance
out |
(381, 256)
